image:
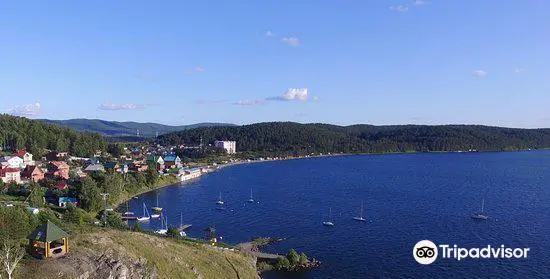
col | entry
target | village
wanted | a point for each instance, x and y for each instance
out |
(54, 170)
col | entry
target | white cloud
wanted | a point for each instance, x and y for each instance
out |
(269, 33)
(25, 110)
(519, 70)
(195, 70)
(249, 102)
(292, 94)
(120, 107)
(419, 2)
(291, 41)
(479, 73)
(400, 8)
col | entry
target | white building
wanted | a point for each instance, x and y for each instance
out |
(188, 174)
(229, 146)
(12, 162)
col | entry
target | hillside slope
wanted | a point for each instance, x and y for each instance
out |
(289, 137)
(121, 129)
(124, 254)
(34, 136)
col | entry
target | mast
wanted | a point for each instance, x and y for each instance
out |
(361, 210)
(482, 205)
(330, 214)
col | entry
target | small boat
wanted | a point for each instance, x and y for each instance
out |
(481, 215)
(220, 201)
(157, 208)
(329, 223)
(251, 200)
(183, 227)
(163, 226)
(360, 218)
(146, 216)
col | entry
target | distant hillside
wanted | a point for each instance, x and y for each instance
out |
(125, 129)
(295, 138)
(35, 136)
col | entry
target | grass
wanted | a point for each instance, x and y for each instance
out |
(168, 258)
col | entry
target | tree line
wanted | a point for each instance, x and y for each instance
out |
(288, 138)
(35, 137)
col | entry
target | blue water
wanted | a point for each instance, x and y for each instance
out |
(407, 198)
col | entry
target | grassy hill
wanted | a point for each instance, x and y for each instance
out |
(124, 129)
(292, 138)
(113, 253)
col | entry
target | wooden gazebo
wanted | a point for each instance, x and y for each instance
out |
(49, 241)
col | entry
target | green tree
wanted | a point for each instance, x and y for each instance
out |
(282, 264)
(14, 228)
(293, 257)
(36, 195)
(88, 194)
(72, 215)
(114, 221)
(172, 232)
(303, 259)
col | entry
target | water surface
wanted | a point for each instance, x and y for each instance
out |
(407, 198)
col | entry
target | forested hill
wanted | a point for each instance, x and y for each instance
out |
(35, 136)
(295, 138)
(125, 129)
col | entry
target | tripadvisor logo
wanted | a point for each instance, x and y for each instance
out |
(426, 252)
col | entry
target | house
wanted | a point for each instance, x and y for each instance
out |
(172, 161)
(80, 173)
(95, 168)
(111, 166)
(229, 146)
(33, 173)
(94, 160)
(12, 162)
(58, 169)
(60, 185)
(48, 241)
(157, 160)
(10, 175)
(56, 156)
(26, 156)
(123, 168)
(137, 167)
(63, 201)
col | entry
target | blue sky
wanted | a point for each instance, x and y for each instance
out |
(341, 62)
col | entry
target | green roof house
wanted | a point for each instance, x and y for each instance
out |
(49, 241)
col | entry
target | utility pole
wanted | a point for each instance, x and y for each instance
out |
(104, 195)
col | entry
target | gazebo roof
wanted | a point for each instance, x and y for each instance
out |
(47, 233)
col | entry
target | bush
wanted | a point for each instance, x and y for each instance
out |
(114, 221)
(172, 232)
(282, 264)
(303, 259)
(293, 257)
(73, 215)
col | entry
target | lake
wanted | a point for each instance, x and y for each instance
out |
(407, 198)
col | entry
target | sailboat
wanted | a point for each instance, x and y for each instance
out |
(163, 226)
(146, 216)
(157, 208)
(360, 218)
(220, 201)
(251, 200)
(329, 223)
(481, 216)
